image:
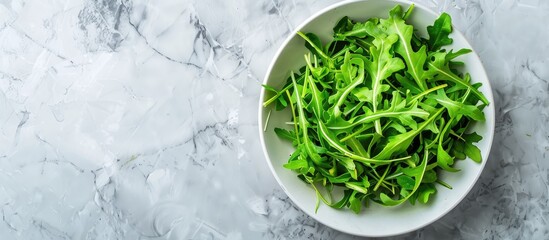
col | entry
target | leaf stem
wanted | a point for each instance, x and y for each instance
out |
(294, 117)
(443, 184)
(272, 99)
(318, 50)
(414, 99)
(267, 121)
(381, 179)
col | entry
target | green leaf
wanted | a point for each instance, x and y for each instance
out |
(343, 25)
(472, 137)
(355, 203)
(357, 147)
(398, 127)
(347, 163)
(314, 44)
(456, 108)
(444, 160)
(399, 143)
(296, 153)
(303, 123)
(458, 150)
(415, 60)
(343, 178)
(425, 191)
(332, 140)
(365, 181)
(269, 88)
(285, 134)
(344, 201)
(363, 94)
(341, 95)
(296, 164)
(317, 99)
(360, 30)
(397, 110)
(281, 103)
(406, 182)
(473, 152)
(407, 83)
(430, 176)
(439, 32)
(382, 65)
(408, 12)
(452, 55)
(440, 68)
(357, 186)
(419, 171)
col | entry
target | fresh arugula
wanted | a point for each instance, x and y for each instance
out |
(379, 112)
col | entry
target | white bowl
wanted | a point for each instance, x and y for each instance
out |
(376, 220)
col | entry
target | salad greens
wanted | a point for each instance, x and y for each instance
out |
(379, 112)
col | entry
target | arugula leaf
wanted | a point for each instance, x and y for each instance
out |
(267, 87)
(283, 133)
(357, 186)
(297, 164)
(380, 68)
(430, 176)
(424, 192)
(406, 182)
(341, 95)
(472, 151)
(419, 171)
(399, 143)
(355, 203)
(343, 25)
(456, 108)
(451, 54)
(414, 60)
(359, 30)
(309, 148)
(396, 110)
(332, 140)
(317, 99)
(407, 83)
(444, 160)
(439, 32)
(315, 45)
(364, 94)
(441, 68)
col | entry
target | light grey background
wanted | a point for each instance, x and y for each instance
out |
(137, 120)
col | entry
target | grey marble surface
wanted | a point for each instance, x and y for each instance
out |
(137, 120)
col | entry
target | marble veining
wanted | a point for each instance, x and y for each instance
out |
(136, 119)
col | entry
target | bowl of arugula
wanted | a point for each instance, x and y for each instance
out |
(376, 117)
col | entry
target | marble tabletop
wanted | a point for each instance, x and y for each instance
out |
(136, 119)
